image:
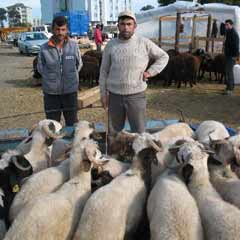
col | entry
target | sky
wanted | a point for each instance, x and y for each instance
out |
(36, 8)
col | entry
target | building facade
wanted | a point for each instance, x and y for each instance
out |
(36, 22)
(25, 14)
(107, 10)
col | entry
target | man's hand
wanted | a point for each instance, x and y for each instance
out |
(105, 101)
(146, 75)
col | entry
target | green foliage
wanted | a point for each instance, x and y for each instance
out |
(3, 16)
(25, 25)
(147, 7)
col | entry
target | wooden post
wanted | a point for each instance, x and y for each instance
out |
(178, 22)
(208, 31)
(193, 42)
(160, 32)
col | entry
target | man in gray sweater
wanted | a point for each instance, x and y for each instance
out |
(124, 73)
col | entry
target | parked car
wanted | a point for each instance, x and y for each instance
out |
(30, 42)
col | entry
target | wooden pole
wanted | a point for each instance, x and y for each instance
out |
(177, 34)
(160, 32)
(208, 31)
(193, 41)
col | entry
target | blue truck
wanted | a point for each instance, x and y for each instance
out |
(78, 22)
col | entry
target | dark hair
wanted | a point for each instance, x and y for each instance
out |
(98, 26)
(59, 21)
(124, 17)
(229, 21)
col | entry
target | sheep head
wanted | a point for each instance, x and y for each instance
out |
(192, 160)
(226, 152)
(121, 143)
(83, 130)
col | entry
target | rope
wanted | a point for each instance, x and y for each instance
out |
(48, 111)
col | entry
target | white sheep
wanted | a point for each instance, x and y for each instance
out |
(122, 144)
(115, 210)
(50, 179)
(43, 182)
(173, 131)
(211, 129)
(55, 216)
(226, 183)
(172, 211)
(220, 219)
(108, 169)
(60, 150)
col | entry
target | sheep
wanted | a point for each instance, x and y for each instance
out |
(173, 131)
(43, 182)
(48, 180)
(60, 149)
(115, 210)
(55, 215)
(13, 169)
(210, 130)
(42, 136)
(3, 227)
(220, 219)
(219, 63)
(122, 143)
(226, 183)
(172, 211)
(109, 169)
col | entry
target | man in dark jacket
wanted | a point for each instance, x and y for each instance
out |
(59, 62)
(231, 51)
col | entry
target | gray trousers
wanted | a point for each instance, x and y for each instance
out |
(131, 106)
(230, 61)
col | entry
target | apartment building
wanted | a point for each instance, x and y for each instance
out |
(24, 12)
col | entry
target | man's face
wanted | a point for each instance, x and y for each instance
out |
(126, 28)
(60, 32)
(228, 26)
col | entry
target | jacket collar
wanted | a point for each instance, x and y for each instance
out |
(52, 42)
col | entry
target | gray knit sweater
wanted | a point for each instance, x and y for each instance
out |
(124, 62)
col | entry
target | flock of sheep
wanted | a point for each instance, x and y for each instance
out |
(178, 185)
(185, 68)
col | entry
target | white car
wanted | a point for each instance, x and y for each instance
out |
(30, 42)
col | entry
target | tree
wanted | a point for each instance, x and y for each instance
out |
(15, 17)
(3, 16)
(147, 7)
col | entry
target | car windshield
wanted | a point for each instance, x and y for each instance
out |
(36, 36)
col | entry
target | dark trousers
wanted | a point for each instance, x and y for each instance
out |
(131, 106)
(55, 105)
(99, 47)
(230, 62)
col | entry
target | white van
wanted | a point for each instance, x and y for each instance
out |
(43, 28)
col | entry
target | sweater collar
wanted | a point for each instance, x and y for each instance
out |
(133, 38)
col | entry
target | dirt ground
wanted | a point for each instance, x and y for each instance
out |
(17, 97)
